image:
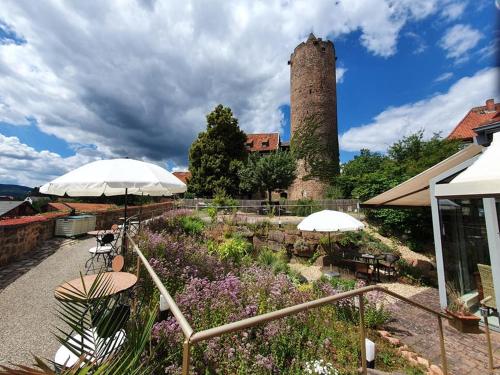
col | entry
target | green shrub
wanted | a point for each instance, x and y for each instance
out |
(260, 228)
(405, 269)
(375, 316)
(212, 213)
(364, 242)
(305, 207)
(233, 248)
(342, 284)
(221, 199)
(192, 225)
(314, 257)
(277, 260)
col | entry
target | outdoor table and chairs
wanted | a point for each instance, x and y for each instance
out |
(368, 265)
(106, 248)
(98, 342)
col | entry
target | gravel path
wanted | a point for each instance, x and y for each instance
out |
(27, 305)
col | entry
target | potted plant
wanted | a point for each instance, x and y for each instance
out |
(463, 319)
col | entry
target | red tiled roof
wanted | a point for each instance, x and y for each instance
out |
(183, 176)
(476, 117)
(262, 142)
(494, 119)
(82, 207)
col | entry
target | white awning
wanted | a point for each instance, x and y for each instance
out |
(482, 178)
(415, 191)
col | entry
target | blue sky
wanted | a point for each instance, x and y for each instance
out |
(86, 81)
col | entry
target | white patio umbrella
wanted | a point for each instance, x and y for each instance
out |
(115, 177)
(330, 221)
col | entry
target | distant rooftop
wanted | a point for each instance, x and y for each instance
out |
(184, 176)
(8, 206)
(476, 117)
(262, 142)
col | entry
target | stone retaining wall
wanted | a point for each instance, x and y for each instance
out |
(19, 236)
(277, 239)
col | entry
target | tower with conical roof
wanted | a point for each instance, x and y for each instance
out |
(313, 93)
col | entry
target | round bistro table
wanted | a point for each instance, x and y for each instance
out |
(96, 233)
(118, 282)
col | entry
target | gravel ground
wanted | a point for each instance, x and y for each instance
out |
(27, 305)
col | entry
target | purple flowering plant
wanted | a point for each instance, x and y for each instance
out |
(211, 291)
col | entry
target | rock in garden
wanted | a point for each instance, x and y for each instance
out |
(393, 341)
(436, 370)
(422, 361)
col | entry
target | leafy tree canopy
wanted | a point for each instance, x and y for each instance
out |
(372, 173)
(269, 172)
(216, 155)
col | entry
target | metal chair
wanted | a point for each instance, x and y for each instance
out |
(105, 248)
(388, 264)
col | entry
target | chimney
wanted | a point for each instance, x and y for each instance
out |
(490, 105)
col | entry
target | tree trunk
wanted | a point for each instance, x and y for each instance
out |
(269, 195)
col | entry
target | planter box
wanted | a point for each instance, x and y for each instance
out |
(464, 323)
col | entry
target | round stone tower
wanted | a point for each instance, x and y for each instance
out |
(313, 93)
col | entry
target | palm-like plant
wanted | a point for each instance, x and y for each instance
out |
(96, 321)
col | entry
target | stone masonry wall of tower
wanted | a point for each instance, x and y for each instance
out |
(313, 92)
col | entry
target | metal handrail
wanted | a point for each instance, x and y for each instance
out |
(192, 337)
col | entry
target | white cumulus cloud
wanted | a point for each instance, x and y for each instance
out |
(453, 10)
(459, 40)
(438, 113)
(22, 164)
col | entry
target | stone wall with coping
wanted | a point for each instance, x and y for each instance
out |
(19, 236)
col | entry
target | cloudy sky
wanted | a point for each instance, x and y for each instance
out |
(81, 80)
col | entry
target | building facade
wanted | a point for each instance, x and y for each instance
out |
(313, 94)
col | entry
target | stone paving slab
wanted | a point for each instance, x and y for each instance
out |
(27, 303)
(466, 353)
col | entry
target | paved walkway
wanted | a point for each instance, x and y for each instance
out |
(466, 353)
(27, 303)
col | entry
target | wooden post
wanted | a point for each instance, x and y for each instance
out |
(444, 362)
(362, 333)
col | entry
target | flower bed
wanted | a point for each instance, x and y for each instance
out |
(212, 289)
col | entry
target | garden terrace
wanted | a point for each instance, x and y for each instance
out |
(239, 309)
(243, 310)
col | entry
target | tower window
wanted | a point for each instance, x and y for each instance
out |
(323, 49)
(310, 91)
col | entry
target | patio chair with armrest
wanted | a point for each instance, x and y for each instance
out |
(388, 264)
(363, 270)
(487, 284)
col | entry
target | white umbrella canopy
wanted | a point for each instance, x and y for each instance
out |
(330, 221)
(115, 177)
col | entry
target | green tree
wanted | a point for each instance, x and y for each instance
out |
(269, 172)
(372, 173)
(249, 178)
(216, 155)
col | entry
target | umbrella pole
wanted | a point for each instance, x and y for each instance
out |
(330, 249)
(125, 229)
(140, 209)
